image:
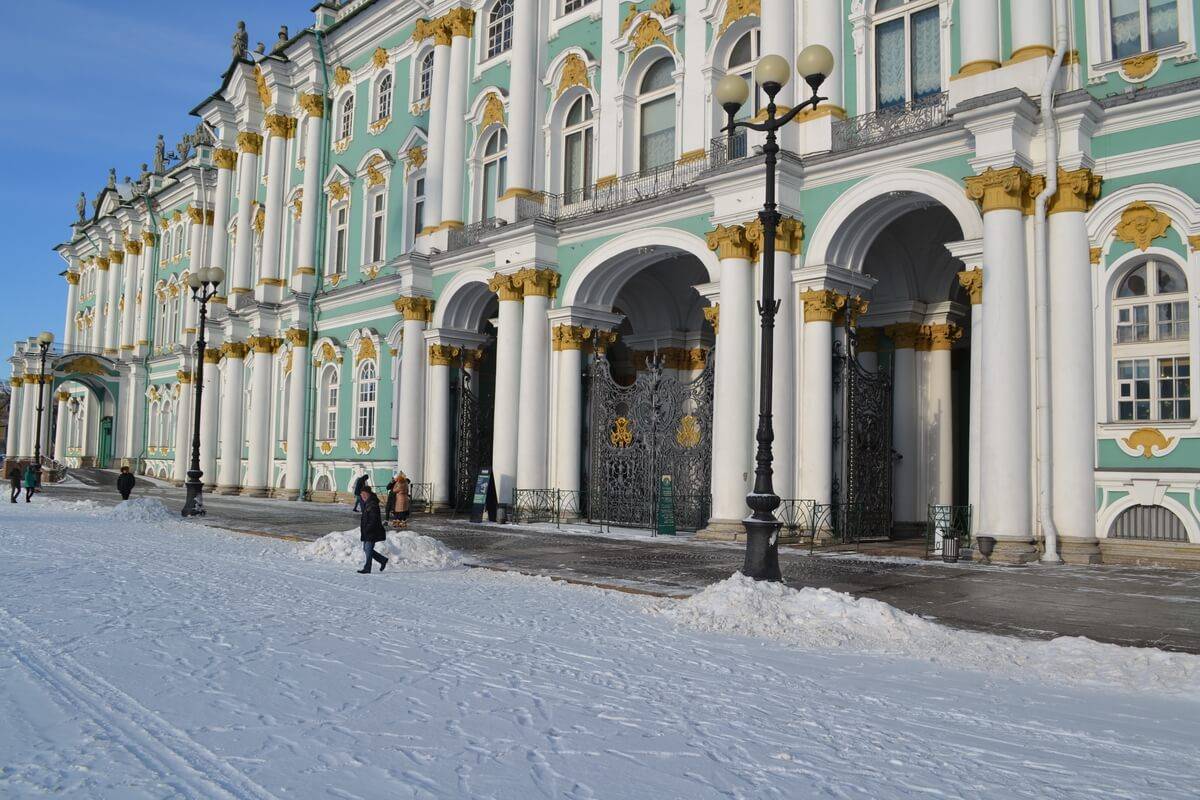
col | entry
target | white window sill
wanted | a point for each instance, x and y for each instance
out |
(1098, 72)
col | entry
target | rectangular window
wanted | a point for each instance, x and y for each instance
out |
(926, 54)
(340, 240)
(1133, 324)
(1133, 389)
(493, 185)
(331, 414)
(573, 5)
(658, 133)
(889, 64)
(377, 219)
(1172, 321)
(1174, 388)
(1141, 25)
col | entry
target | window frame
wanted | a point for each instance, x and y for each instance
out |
(366, 417)
(345, 118)
(329, 399)
(503, 27)
(385, 90)
(642, 99)
(586, 130)
(905, 12)
(338, 251)
(1145, 45)
(500, 158)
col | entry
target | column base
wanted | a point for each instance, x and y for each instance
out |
(287, 494)
(723, 530)
(1079, 551)
(254, 491)
(227, 489)
(1012, 552)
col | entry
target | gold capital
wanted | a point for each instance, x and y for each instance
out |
(133, 247)
(102, 263)
(313, 104)
(63, 396)
(570, 337)
(72, 278)
(149, 238)
(732, 241)
(472, 359)
(460, 21)
(820, 305)
(713, 315)
(280, 125)
(942, 337)
(442, 355)
(972, 281)
(117, 256)
(538, 282)
(250, 142)
(183, 376)
(17, 381)
(419, 309)
(264, 344)
(999, 189)
(506, 287)
(904, 335)
(212, 355)
(234, 349)
(1078, 190)
(789, 235)
(225, 158)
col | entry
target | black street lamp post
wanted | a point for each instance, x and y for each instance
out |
(814, 63)
(204, 287)
(44, 340)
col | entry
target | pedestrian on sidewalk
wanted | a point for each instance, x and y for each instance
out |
(125, 482)
(360, 484)
(14, 479)
(31, 480)
(371, 530)
(399, 501)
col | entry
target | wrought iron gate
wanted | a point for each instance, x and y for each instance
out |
(658, 425)
(862, 444)
(472, 442)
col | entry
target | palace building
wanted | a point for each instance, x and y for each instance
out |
(511, 234)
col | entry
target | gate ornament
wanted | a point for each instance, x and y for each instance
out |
(688, 435)
(622, 433)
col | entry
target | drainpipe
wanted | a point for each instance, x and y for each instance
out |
(319, 245)
(150, 309)
(1042, 289)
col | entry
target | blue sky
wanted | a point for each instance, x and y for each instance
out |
(89, 85)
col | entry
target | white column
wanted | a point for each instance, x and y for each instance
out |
(1006, 500)
(306, 259)
(733, 401)
(436, 152)
(524, 82)
(226, 162)
(183, 428)
(972, 281)
(133, 251)
(979, 32)
(1032, 29)
(410, 439)
(816, 412)
(533, 445)
(60, 433)
(229, 470)
(262, 397)
(12, 445)
(437, 422)
(149, 264)
(135, 399)
(297, 394)
(1072, 400)
(788, 240)
(905, 498)
(508, 385)
(456, 105)
(72, 304)
(569, 343)
(280, 128)
(823, 20)
(250, 146)
(28, 415)
(779, 38)
(90, 420)
(939, 390)
(112, 288)
(210, 401)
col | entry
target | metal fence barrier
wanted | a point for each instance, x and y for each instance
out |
(547, 505)
(947, 522)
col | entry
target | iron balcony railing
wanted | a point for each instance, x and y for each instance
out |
(469, 235)
(887, 124)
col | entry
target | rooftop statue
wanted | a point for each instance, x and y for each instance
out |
(283, 38)
(81, 207)
(240, 41)
(160, 156)
(112, 177)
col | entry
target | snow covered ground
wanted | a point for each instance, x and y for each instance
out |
(145, 657)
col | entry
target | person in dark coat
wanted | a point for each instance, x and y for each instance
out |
(125, 482)
(371, 530)
(14, 480)
(31, 480)
(359, 485)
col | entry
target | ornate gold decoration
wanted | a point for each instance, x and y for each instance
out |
(225, 158)
(506, 287)
(341, 76)
(602, 340)
(820, 305)
(459, 21)
(183, 376)
(250, 142)
(437, 29)
(731, 241)
(442, 355)
(379, 58)
(416, 157)
(736, 9)
(789, 235)
(622, 432)
(379, 125)
(493, 111)
(713, 315)
(1148, 440)
(298, 211)
(630, 16)
(1194, 242)
(972, 281)
(570, 337)
(904, 335)
(998, 189)
(260, 82)
(574, 73)
(264, 344)
(363, 446)
(325, 354)
(102, 263)
(260, 219)
(63, 396)
(1139, 67)
(688, 433)
(280, 125)
(1095, 254)
(149, 239)
(212, 355)
(1078, 190)
(1142, 223)
(337, 191)
(133, 247)
(366, 350)
(313, 104)
(649, 31)
(374, 176)
(538, 282)
(326, 447)
(296, 337)
(662, 8)
(72, 278)
(855, 307)
(942, 337)
(472, 359)
(195, 215)
(419, 309)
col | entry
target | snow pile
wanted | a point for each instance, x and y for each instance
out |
(405, 549)
(822, 619)
(142, 509)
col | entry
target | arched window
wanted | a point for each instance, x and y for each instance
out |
(383, 98)
(495, 165)
(1141, 25)
(177, 251)
(1155, 523)
(346, 125)
(499, 29)
(364, 425)
(425, 79)
(656, 116)
(329, 403)
(742, 60)
(1150, 312)
(908, 53)
(166, 423)
(577, 149)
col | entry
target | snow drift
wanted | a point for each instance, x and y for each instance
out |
(822, 619)
(406, 550)
(142, 509)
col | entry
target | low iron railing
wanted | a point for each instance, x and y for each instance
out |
(420, 497)
(469, 235)
(797, 518)
(947, 522)
(547, 505)
(886, 124)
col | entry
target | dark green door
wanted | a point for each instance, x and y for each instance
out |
(105, 450)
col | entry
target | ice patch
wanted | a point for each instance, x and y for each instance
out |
(822, 619)
(405, 549)
(143, 509)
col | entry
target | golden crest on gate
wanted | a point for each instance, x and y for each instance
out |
(622, 432)
(688, 434)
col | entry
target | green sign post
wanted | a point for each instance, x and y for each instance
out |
(666, 507)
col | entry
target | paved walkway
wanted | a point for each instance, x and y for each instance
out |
(1124, 605)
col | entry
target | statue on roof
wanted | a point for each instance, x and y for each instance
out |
(282, 38)
(260, 48)
(145, 173)
(240, 41)
(81, 207)
(184, 148)
(160, 156)
(112, 177)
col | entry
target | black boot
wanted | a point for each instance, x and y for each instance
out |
(383, 564)
(365, 571)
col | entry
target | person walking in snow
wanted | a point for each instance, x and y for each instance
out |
(359, 485)
(371, 530)
(14, 479)
(31, 479)
(125, 482)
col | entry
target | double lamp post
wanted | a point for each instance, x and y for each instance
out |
(814, 64)
(203, 283)
(44, 340)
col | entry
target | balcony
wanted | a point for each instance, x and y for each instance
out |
(888, 124)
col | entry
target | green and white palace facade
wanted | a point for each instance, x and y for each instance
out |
(512, 234)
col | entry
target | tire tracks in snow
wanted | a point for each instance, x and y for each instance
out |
(168, 751)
